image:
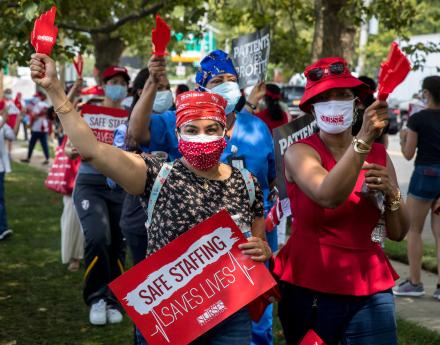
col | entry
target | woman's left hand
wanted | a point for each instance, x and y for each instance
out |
(258, 249)
(377, 178)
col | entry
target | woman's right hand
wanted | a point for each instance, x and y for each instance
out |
(375, 120)
(43, 71)
(157, 68)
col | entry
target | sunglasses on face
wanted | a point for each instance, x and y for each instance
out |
(317, 73)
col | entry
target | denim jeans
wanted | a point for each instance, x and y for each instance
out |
(3, 221)
(337, 319)
(235, 330)
(42, 137)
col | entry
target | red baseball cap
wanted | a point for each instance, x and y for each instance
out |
(111, 71)
(93, 90)
(340, 78)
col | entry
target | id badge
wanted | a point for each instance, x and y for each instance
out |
(237, 162)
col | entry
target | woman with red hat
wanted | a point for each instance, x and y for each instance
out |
(197, 186)
(273, 115)
(343, 191)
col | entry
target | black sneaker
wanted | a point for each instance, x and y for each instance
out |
(45, 162)
(25, 160)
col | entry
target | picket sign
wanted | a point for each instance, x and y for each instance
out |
(103, 121)
(192, 284)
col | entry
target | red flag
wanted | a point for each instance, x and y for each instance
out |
(78, 63)
(44, 34)
(160, 36)
(392, 72)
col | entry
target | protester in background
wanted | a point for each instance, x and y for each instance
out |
(423, 134)
(198, 181)
(335, 276)
(39, 128)
(19, 103)
(8, 107)
(181, 88)
(272, 114)
(416, 104)
(72, 237)
(99, 210)
(152, 124)
(133, 216)
(6, 133)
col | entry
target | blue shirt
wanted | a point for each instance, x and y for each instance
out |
(253, 142)
(163, 134)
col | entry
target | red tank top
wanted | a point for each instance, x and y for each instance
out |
(330, 250)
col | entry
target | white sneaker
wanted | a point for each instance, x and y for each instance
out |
(97, 314)
(5, 234)
(113, 315)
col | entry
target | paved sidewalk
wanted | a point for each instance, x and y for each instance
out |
(20, 150)
(422, 310)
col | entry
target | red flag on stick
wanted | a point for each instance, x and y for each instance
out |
(392, 72)
(78, 63)
(160, 36)
(44, 34)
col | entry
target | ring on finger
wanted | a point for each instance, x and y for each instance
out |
(378, 180)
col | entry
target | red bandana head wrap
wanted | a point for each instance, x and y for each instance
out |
(196, 105)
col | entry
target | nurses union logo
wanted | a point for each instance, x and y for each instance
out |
(85, 204)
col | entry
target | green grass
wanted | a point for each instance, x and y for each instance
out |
(397, 251)
(40, 301)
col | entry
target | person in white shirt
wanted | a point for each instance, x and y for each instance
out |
(39, 129)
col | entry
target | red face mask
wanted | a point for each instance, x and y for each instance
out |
(202, 155)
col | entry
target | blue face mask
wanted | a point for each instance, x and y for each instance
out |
(115, 92)
(163, 101)
(230, 91)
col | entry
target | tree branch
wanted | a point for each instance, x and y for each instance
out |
(110, 27)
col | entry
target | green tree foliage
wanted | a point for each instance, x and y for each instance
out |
(421, 17)
(104, 27)
(290, 23)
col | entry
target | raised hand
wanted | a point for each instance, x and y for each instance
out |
(43, 71)
(375, 120)
(157, 68)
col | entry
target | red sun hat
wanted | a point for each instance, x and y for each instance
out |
(326, 74)
(197, 105)
(111, 71)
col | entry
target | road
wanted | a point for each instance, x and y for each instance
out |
(404, 170)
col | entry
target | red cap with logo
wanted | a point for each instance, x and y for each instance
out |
(197, 105)
(326, 74)
(111, 71)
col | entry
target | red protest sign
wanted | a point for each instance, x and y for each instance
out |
(44, 34)
(78, 63)
(160, 36)
(103, 121)
(192, 284)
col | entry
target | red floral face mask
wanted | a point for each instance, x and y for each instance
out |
(203, 154)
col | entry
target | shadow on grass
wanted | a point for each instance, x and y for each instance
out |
(40, 301)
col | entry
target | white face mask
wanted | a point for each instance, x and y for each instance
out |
(163, 101)
(334, 116)
(230, 91)
(200, 138)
